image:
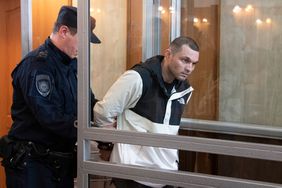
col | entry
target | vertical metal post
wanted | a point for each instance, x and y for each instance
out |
(83, 87)
(151, 29)
(156, 32)
(147, 31)
(175, 19)
(26, 26)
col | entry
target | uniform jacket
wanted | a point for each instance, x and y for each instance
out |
(142, 103)
(45, 98)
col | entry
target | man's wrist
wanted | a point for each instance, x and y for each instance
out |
(105, 145)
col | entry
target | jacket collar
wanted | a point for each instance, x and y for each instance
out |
(62, 57)
(154, 66)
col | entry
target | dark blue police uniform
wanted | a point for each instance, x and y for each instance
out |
(45, 99)
(39, 150)
(43, 111)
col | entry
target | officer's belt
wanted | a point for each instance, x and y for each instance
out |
(9, 146)
(39, 151)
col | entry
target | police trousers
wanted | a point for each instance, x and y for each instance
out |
(29, 165)
(36, 175)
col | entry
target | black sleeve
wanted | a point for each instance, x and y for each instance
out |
(48, 105)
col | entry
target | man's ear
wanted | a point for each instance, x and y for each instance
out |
(167, 52)
(63, 31)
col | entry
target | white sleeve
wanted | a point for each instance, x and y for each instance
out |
(123, 94)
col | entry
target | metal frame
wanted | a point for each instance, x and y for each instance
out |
(83, 86)
(242, 129)
(209, 145)
(177, 178)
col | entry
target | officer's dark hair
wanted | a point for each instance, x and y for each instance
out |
(177, 43)
(57, 27)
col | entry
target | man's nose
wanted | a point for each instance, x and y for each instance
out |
(189, 67)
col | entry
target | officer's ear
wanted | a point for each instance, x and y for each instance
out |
(63, 31)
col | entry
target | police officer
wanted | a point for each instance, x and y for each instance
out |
(44, 110)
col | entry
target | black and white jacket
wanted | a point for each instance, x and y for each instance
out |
(141, 102)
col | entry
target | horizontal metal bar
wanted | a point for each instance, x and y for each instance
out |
(208, 145)
(176, 178)
(253, 130)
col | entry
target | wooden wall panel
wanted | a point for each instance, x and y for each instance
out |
(10, 54)
(3, 76)
(13, 50)
(134, 29)
(3, 67)
(247, 168)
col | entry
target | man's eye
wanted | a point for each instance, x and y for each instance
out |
(186, 61)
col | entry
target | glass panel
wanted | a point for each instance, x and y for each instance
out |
(108, 59)
(200, 20)
(250, 92)
(235, 80)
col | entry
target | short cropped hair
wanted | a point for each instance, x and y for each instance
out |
(177, 43)
(57, 26)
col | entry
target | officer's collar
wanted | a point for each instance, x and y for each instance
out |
(64, 58)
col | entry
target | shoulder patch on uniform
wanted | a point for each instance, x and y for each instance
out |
(43, 84)
(42, 55)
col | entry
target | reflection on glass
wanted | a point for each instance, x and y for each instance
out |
(237, 9)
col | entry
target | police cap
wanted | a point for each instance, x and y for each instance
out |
(68, 16)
